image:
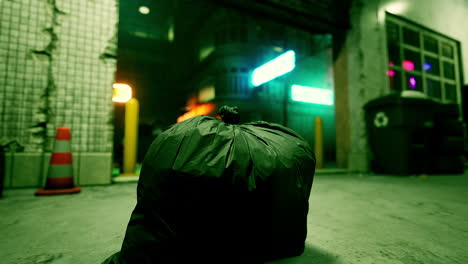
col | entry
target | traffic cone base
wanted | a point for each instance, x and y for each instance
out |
(59, 183)
(75, 189)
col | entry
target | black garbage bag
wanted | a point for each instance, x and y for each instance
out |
(212, 191)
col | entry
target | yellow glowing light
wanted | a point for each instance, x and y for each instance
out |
(122, 92)
(144, 10)
(170, 33)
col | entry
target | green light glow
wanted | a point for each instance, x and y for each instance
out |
(311, 95)
(280, 65)
(115, 171)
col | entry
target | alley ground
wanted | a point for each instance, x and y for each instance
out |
(353, 219)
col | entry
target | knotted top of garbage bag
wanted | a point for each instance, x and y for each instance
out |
(229, 114)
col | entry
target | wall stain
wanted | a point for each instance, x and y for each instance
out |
(44, 112)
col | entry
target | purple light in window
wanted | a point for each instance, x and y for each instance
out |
(427, 66)
(391, 63)
(391, 73)
(412, 82)
(408, 65)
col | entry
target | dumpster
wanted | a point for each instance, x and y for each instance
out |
(449, 140)
(400, 130)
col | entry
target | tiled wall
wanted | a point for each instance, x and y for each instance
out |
(57, 64)
(23, 73)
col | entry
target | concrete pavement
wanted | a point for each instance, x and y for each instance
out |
(353, 218)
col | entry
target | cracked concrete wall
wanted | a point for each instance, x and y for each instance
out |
(23, 75)
(367, 54)
(57, 64)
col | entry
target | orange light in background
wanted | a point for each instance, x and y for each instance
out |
(122, 92)
(201, 109)
(191, 103)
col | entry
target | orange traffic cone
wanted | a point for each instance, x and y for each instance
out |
(60, 174)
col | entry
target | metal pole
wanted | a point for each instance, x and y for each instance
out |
(319, 142)
(130, 136)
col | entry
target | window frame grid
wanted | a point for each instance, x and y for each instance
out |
(423, 74)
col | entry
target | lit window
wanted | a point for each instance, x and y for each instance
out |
(422, 60)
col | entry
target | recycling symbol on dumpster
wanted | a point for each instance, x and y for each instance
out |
(381, 119)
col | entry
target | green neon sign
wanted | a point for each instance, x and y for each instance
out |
(312, 95)
(278, 66)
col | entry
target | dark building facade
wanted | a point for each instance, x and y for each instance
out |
(231, 43)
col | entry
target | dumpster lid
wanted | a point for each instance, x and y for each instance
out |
(406, 97)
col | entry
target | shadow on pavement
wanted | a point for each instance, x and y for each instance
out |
(311, 255)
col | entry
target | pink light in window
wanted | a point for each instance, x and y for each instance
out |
(412, 82)
(391, 63)
(408, 65)
(391, 73)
